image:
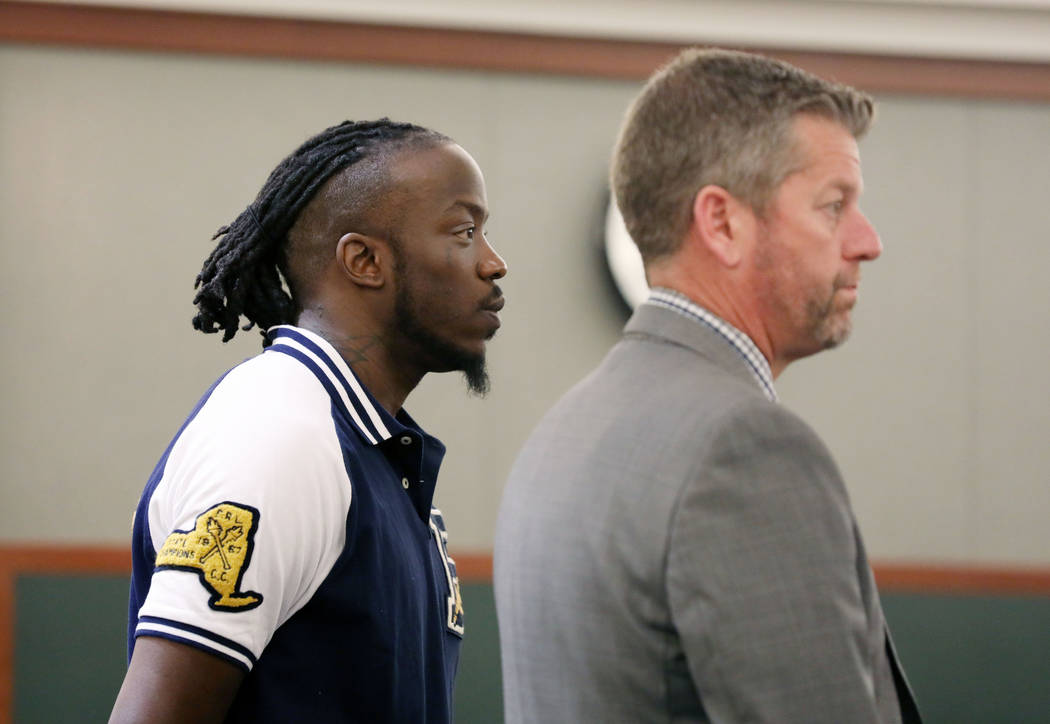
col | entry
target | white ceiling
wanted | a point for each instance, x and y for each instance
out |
(1017, 30)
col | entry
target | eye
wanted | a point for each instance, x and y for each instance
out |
(467, 234)
(836, 207)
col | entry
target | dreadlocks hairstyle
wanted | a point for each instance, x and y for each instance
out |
(245, 272)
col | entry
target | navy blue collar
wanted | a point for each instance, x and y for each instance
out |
(399, 438)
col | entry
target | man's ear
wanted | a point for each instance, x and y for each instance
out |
(365, 260)
(722, 224)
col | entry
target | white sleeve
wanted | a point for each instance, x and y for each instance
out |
(249, 515)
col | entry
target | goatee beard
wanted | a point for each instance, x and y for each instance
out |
(476, 376)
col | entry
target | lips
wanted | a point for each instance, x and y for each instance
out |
(491, 309)
(494, 305)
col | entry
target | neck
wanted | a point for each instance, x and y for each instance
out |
(364, 347)
(719, 297)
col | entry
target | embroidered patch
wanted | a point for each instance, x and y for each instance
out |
(218, 550)
(454, 601)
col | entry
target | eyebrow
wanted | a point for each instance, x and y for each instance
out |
(475, 210)
(848, 188)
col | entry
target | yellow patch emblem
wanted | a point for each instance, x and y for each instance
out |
(218, 550)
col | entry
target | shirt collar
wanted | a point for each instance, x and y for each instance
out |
(369, 417)
(744, 345)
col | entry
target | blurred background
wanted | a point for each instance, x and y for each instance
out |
(130, 131)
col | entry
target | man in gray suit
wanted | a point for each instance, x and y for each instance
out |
(673, 545)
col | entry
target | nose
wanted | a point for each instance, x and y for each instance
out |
(491, 265)
(862, 240)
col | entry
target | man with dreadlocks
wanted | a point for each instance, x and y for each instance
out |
(288, 563)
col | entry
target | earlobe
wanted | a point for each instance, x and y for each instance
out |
(718, 224)
(362, 259)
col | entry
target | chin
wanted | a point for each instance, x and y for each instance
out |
(457, 358)
(475, 349)
(836, 333)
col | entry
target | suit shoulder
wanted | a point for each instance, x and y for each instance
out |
(762, 450)
(654, 373)
(765, 421)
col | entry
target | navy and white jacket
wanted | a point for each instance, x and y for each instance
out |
(289, 529)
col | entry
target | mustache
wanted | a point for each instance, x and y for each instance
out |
(494, 301)
(846, 280)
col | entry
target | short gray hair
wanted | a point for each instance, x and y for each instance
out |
(719, 117)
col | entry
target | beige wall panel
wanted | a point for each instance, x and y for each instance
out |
(938, 404)
(894, 403)
(115, 169)
(1012, 341)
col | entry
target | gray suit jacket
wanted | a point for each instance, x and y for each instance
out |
(674, 547)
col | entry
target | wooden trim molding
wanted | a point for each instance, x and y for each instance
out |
(472, 567)
(959, 579)
(331, 40)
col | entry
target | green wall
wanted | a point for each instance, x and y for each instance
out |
(70, 654)
(980, 659)
(970, 658)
